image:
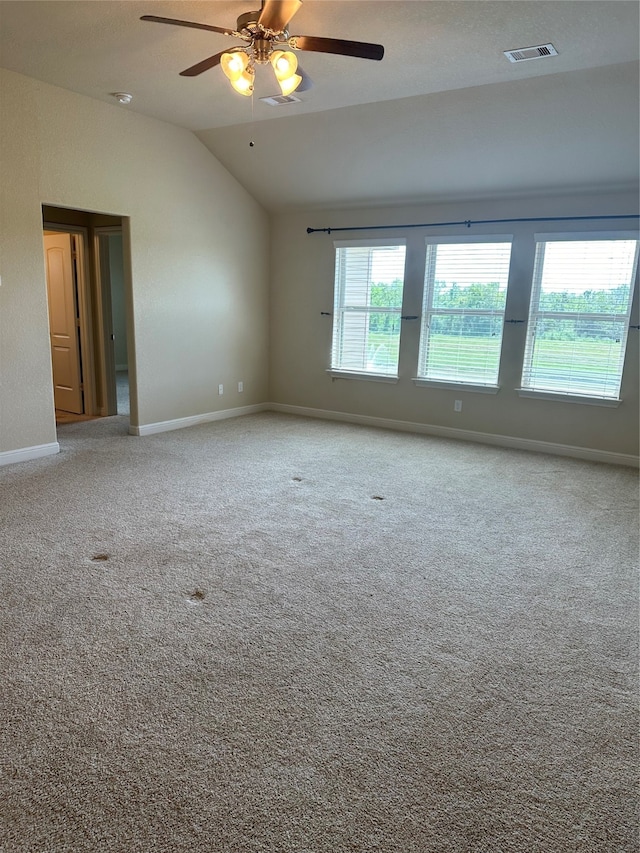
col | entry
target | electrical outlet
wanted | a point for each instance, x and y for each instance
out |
(457, 406)
(221, 390)
(240, 387)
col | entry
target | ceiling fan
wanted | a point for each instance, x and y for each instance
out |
(267, 38)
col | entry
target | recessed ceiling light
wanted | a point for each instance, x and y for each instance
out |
(122, 97)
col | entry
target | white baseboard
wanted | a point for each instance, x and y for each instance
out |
(193, 420)
(586, 453)
(24, 454)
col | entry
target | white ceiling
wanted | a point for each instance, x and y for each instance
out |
(444, 113)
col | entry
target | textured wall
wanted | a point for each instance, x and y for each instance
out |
(302, 287)
(199, 296)
(26, 385)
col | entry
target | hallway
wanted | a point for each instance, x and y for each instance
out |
(122, 395)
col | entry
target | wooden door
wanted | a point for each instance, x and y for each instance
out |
(63, 323)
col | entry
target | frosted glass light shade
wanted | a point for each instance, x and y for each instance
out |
(234, 64)
(244, 84)
(285, 64)
(290, 84)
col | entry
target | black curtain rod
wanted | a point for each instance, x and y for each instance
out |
(469, 222)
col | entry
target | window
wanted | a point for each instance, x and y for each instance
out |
(369, 282)
(579, 316)
(465, 290)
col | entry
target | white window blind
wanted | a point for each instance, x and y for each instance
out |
(579, 316)
(465, 291)
(369, 282)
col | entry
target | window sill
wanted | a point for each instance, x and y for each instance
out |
(369, 377)
(607, 402)
(457, 386)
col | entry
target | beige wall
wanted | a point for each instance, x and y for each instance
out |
(302, 287)
(118, 296)
(200, 298)
(198, 248)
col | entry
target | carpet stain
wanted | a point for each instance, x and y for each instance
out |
(377, 498)
(99, 558)
(297, 479)
(196, 597)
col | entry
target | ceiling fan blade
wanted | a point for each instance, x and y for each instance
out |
(361, 49)
(177, 23)
(276, 14)
(205, 65)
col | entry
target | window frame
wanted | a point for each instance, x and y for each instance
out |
(428, 311)
(340, 309)
(535, 315)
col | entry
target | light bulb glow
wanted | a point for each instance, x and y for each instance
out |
(244, 84)
(285, 64)
(290, 84)
(237, 66)
(234, 64)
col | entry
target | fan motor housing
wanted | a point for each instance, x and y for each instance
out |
(248, 21)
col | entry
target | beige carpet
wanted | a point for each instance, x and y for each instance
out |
(283, 635)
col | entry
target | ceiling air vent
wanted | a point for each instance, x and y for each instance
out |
(279, 100)
(540, 51)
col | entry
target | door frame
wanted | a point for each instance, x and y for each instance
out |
(104, 317)
(80, 254)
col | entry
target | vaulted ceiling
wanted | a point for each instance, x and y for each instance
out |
(443, 115)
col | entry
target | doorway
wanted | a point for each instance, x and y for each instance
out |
(111, 273)
(88, 290)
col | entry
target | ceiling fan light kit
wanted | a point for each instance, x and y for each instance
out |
(234, 64)
(244, 84)
(268, 42)
(285, 65)
(236, 67)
